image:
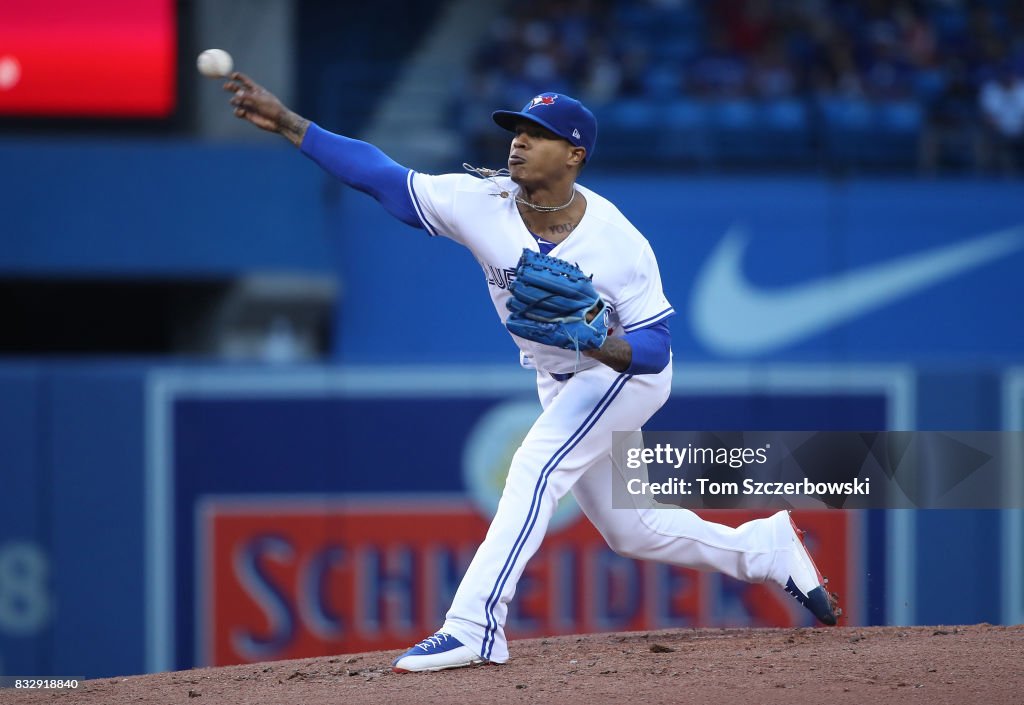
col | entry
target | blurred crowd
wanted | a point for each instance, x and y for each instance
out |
(956, 65)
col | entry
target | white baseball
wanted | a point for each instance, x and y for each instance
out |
(215, 63)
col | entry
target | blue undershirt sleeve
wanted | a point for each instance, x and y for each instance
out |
(651, 347)
(364, 167)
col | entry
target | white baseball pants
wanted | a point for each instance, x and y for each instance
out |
(569, 448)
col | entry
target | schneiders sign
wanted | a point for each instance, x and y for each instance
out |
(727, 469)
(288, 576)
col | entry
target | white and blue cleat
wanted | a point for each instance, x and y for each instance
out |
(436, 653)
(796, 573)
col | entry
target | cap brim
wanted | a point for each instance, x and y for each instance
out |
(507, 119)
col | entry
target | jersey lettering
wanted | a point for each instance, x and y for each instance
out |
(501, 278)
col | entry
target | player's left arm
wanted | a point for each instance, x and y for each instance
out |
(646, 345)
(644, 351)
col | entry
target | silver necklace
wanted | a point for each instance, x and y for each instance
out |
(546, 209)
(489, 174)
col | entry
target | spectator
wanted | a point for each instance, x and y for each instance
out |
(747, 22)
(838, 74)
(951, 135)
(719, 71)
(771, 74)
(887, 75)
(916, 36)
(603, 74)
(1002, 109)
(848, 52)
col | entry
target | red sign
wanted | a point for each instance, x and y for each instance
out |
(101, 58)
(286, 579)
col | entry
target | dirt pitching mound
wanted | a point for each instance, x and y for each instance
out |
(935, 665)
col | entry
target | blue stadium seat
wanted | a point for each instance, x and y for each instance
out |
(631, 113)
(929, 84)
(948, 22)
(662, 81)
(685, 134)
(736, 114)
(787, 138)
(625, 131)
(847, 131)
(859, 133)
(686, 113)
(636, 18)
(680, 49)
(784, 115)
(737, 132)
(899, 130)
(846, 113)
(900, 117)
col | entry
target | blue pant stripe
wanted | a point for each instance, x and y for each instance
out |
(531, 518)
(493, 597)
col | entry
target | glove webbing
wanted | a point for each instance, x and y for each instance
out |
(549, 319)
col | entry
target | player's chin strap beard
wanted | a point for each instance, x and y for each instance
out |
(489, 174)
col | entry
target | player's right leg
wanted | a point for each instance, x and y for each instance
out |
(573, 432)
(762, 550)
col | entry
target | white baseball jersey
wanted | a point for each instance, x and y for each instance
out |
(473, 212)
(569, 446)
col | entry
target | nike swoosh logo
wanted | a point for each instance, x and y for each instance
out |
(732, 317)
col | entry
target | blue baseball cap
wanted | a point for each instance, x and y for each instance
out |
(566, 117)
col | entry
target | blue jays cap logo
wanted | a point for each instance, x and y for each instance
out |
(542, 100)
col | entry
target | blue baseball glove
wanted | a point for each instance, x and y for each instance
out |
(553, 302)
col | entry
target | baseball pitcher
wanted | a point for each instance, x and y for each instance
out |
(579, 290)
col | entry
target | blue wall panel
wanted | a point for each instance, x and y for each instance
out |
(168, 208)
(958, 567)
(97, 495)
(19, 453)
(26, 621)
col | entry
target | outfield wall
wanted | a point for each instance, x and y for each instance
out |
(161, 517)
